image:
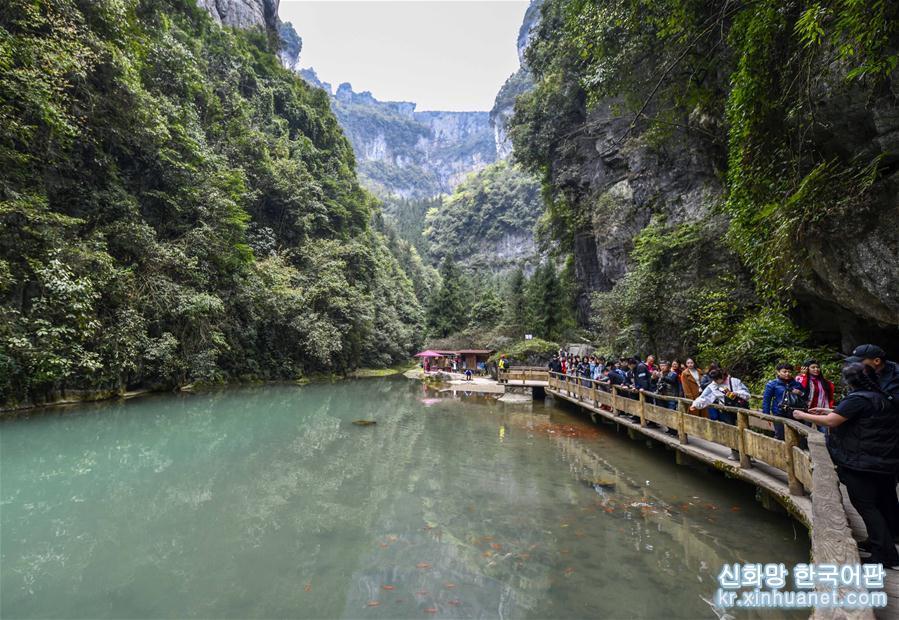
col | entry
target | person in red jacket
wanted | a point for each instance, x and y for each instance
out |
(818, 389)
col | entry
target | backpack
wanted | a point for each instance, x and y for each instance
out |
(791, 402)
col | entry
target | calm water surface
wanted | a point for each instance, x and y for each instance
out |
(269, 503)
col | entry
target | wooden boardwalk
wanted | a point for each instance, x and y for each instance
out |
(802, 481)
(524, 376)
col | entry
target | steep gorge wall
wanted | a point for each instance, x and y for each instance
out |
(244, 13)
(406, 153)
(617, 175)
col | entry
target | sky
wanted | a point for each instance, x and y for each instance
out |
(442, 54)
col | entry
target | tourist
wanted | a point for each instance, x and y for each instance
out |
(864, 444)
(555, 364)
(887, 372)
(583, 371)
(723, 390)
(615, 375)
(667, 384)
(598, 368)
(651, 363)
(676, 368)
(690, 380)
(640, 373)
(704, 382)
(776, 391)
(818, 390)
(468, 374)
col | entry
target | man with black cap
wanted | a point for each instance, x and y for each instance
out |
(887, 372)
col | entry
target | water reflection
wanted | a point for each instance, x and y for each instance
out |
(269, 502)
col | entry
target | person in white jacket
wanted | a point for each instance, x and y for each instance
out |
(722, 389)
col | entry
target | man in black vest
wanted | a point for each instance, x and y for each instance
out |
(887, 372)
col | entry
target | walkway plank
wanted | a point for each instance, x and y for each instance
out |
(834, 528)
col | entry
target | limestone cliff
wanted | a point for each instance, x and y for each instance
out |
(244, 13)
(403, 152)
(644, 178)
(518, 83)
(290, 45)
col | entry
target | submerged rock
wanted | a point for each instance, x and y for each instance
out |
(364, 422)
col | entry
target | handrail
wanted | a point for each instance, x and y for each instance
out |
(785, 455)
(809, 470)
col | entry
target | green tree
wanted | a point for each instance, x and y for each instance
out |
(447, 310)
(517, 308)
(175, 206)
(547, 303)
(487, 308)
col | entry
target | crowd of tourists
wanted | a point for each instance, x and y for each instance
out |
(862, 428)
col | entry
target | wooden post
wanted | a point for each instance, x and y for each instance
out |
(791, 438)
(642, 408)
(742, 425)
(681, 422)
(614, 399)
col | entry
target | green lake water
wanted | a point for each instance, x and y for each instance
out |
(267, 502)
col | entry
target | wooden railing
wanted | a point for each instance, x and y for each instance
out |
(523, 373)
(808, 471)
(785, 455)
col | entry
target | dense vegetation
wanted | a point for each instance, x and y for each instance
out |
(177, 207)
(497, 202)
(759, 88)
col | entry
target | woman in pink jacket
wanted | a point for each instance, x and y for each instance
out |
(818, 389)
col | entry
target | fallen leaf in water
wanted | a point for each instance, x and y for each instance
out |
(383, 545)
(423, 565)
(569, 570)
(496, 546)
(422, 593)
(430, 610)
(524, 556)
(734, 508)
(392, 538)
(564, 551)
(373, 603)
(580, 533)
(487, 553)
(486, 538)
(307, 587)
(454, 602)
(388, 587)
(564, 525)
(450, 586)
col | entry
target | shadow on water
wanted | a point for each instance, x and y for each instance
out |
(268, 502)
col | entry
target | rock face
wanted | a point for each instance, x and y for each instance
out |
(851, 287)
(848, 291)
(625, 183)
(244, 13)
(518, 83)
(291, 46)
(406, 153)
